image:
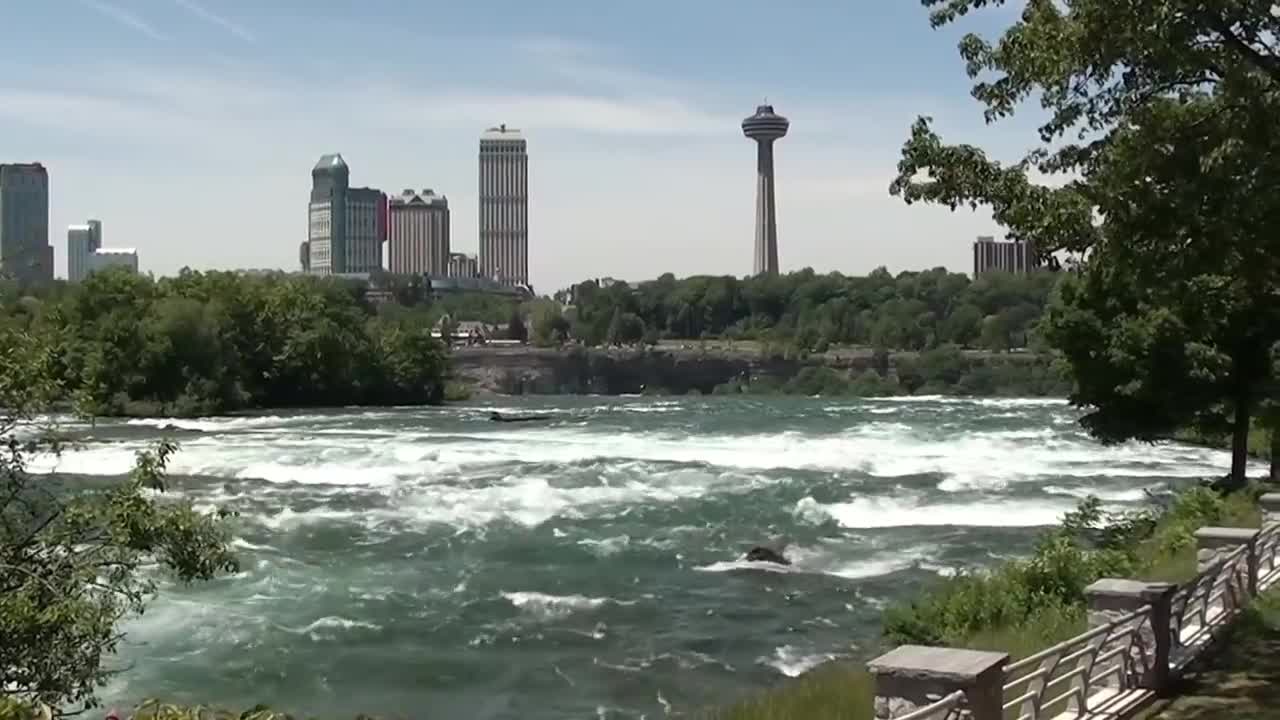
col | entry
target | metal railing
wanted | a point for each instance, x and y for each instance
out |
(1067, 676)
(1207, 602)
(1268, 556)
(951, 707)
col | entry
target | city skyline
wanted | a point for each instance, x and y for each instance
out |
(146, 128)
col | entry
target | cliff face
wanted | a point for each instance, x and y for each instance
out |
(529, 370)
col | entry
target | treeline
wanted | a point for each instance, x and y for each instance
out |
(203, 343)
(911, 311)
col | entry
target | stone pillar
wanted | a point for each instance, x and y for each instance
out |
(912, 677)
(1215, 543)
(1270, 504)
(1111, 599)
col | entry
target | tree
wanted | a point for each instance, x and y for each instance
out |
(996, 333)
(651, 336)
(1162, 115)
(448, 328)
(614, 334)
(516, 329)
(71, 557)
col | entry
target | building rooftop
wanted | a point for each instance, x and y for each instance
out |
(116, 251)
(502, 132)
(331, 162)
(426, 197)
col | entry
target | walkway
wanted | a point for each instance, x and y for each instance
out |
(1240, 679)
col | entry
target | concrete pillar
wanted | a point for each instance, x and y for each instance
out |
(1215, 543)
(912, 677)
(1110, 599)
(1270, 504)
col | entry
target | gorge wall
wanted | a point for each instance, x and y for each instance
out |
(517, 370)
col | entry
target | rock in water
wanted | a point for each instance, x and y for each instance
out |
(760, 553)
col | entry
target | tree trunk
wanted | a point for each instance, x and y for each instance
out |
(1275, 455)
(1239, 447)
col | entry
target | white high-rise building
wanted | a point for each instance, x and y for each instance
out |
(85, 253)
(504, 206)
(82, 241)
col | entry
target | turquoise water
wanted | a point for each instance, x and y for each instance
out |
(431, 563)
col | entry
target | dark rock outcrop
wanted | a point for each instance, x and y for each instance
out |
(761, 553)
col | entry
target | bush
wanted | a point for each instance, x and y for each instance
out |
(1035, 601)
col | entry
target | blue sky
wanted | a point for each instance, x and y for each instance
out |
(189, 127)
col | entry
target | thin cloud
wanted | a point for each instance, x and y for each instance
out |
(208, 16)
(126, 18)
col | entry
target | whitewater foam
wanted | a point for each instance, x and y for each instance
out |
(554, 607)
(794, 662)
(906, 511)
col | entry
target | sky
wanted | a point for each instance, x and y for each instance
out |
(190, 127)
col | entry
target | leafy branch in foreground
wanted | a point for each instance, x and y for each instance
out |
(1161, 131)
(73, 557)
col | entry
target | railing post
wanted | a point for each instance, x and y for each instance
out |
(913, 676)
(1270, 504)
(1110, 599)
(1213, 543)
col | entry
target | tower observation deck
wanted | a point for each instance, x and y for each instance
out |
(765, 126)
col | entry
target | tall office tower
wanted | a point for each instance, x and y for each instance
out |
(1015, 256)
(418, 234)
(504, 206)
(462, 265)
(345, 225)
(327, 215)
(764, 127)
(82, 242)
(366, 230)
(25, 252)
(85, 253)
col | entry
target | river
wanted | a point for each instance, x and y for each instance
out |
(427, 562)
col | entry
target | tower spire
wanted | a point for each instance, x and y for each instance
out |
(765, 126)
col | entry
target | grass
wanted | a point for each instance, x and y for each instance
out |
(1241, 680)
(836, 691)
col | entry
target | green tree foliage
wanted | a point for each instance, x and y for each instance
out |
(71, 558)
(1161, 117)
(912, 311)
(203, 343)
(550, 327)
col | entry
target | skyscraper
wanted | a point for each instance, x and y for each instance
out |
(85, 253)
(418, 233)
(345, 226)
(504, 206)
(25, 252)
(82, 241)
(1014, 256)
(764, 127)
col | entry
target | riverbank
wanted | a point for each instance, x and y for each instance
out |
(692, 368)
(1021, 606)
